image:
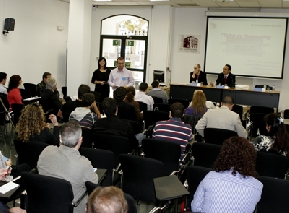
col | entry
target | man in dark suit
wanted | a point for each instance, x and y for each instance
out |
(226, 77)
(198, 76)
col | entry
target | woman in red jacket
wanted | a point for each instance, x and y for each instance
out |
(14, 95)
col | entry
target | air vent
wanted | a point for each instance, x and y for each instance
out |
(188, 5)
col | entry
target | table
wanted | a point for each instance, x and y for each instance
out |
(242, 97)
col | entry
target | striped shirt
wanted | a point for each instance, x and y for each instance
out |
(174, 130)
(84, 117)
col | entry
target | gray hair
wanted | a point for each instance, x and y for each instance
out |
(70, 133)
(50, 83)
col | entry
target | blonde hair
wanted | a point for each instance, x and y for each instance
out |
(31, 122)
(199, 102)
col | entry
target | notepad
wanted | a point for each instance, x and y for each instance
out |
(8, 187)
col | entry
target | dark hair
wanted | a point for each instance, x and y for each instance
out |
(82, 89)
(278, 131)
(177, 110)
(3, 76)
(119, 59)
(45, 75)
(109, 106)
(228, 100)
(119, 94)
(155, 84)
(87, 99)
(237, 154)
(130, 93)
(99, 60)
(14, 82)
(229, 66)
(143, 86)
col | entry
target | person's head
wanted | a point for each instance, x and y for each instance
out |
(237, 154)
(107, 200)
(87, 99)
(177, 110)
(119, 94)
(197, 68)
(15, 81)
(31, 121)
(155, 84)
(130, 93)
(109, 106)
(199, 102)
(143, 87)
(70, 134)
(226, 69)
(45, 76)
(228, 101)
(120, 63)
(51, 83)
(3, 78)
(102, 63)
(82, 89)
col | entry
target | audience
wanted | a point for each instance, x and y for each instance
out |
(66, 162)
(14, 95)
(198, 105)
(277, 141)
(174, 129)
(222, 118)
(83, 115)
(107, 200)
(42, 85)
(32, 127)
(232, 186)
(3, 78)
(158, 92)
(129, 98)
(141, 96)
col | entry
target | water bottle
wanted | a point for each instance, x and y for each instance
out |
(273, 87)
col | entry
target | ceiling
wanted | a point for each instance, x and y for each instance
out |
(201, 3)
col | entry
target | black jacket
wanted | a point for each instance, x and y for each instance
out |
(202, 78)
(50, 102)
(231, 80)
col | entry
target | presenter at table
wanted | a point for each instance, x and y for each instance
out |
(226, 77)
(198, 76)
(120, 76)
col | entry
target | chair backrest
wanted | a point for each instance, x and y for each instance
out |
(143, 106)
(162, 107)
(151, 117)
(117, 144)
(261, 109)
(138, 175)
(126, 111)
(103, 159)
(217, 136)
(28, 152)
(167, 152)
(205, 154)
(195, 174)
(43, 193)
(157, 100)
(16, 108)
(271, 164)
(238, 109)
(136, 126)
(192, 120)
(87, 137)
(275, 195)
(31, 88)
(25, 93)
(286, 114)
(185, 102)
(64, 91)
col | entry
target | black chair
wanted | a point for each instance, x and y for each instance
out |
(286, 114)
(103, 159)
(43, 194)
(64, 91)
(136, 126)
(3, 125)
(151, 117)
(87, 138)
(205, 154)
(158, 100)
(167, 152)
(25, 93)
(162, 107)
(16, 108)
(239, 110)
(192, 120)
(185, 102)
(126, 111)
(31, 88)
(271, 164)
(217, 136)
(142, 106)
(28, 152)
(275, 195)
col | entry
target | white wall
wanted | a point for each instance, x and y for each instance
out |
(35, 46)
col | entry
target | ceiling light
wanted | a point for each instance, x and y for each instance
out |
(101, 0)
(159, 0)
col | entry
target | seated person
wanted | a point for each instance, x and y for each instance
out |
(198, 76)
(142, 97)
(129, 98)
(66, 162)
(174, 129)
(32, 127)
(277, 141)
(83, 114)
(231, 186)
(198, 106)
(42, 85)
(3, 78)
(226, 77)
(14, 95)
(158, 92)
(125, 110)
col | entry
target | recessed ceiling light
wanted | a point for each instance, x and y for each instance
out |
(159, 0)
(101, 0)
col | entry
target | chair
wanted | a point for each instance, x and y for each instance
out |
(64, 91)
(16, 108)
(87, 138)
(28, 152)
(3, 125)
(103, 159)
(136, 126)
(192, 120)
(126, 111)
(271, 164)
(43, 193)
(162, 107)
(275, 195)
(25, 93)
(239, 110)
(185, 102)
(205, 154)
(286, 114)
(167, 152)
(217, 136)
(151, 117)
(31, 88)
(143, 106)
(157, 100)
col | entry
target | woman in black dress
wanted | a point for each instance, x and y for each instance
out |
(100, 78)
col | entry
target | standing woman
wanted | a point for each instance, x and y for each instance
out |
(198, 76)
(14, 95)
(100, 78)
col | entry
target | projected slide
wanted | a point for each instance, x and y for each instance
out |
(252, 46)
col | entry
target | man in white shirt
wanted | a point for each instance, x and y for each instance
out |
(3, 78)
(142, 97)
